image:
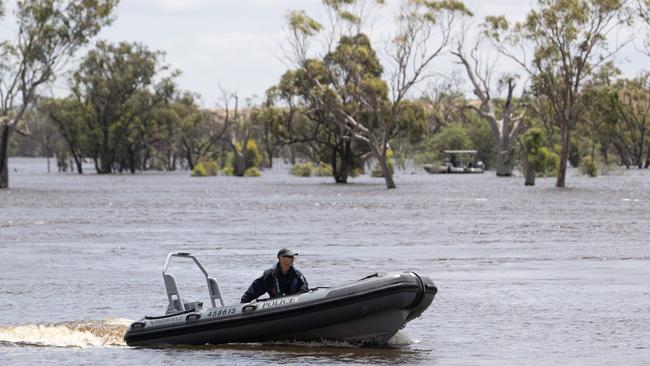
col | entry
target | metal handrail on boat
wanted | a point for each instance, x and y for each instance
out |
(172, 288)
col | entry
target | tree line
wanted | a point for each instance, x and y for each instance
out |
(565, 102)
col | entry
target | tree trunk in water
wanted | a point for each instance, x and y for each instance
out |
(530, 172)
(78, 162)
(239, 164)
(292, 155)
(105, 167)
(76, 158)
(505, 162)
(105, 163)
(132, 162)
(342, 153)
(342, 171)
(564, 155)
(641, 148)
(385, 170)
(5, 132)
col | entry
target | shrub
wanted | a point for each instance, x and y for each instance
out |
(205, 167)
(211, 167)
(302, 169)
(199, 170)
(588, 167)
(252, 172)
(323, 170)
(228, 170)
(355, 172)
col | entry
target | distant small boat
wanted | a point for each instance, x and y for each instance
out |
(370, 310)
(457, 162)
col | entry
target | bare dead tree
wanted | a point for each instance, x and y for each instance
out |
(511, 123)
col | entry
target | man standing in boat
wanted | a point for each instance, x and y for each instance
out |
(281, 280)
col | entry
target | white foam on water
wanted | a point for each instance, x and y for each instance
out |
(401, 338)
(85, 333)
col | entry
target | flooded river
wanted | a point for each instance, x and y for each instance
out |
(526, 275)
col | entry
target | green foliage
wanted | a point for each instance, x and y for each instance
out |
(308, 169)
(323, 170)
(302, 169)
(452, 137)
(629, 118)
(48, 34)
(537, 154)
(300, 22)
(588, 167)
(205, 167)
(252, 172)
(482, 139)
(253, 157)
(199, 170)
(228, 170)
(552, 162)
(116, 86)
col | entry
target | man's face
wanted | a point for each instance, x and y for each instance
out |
(286, 262)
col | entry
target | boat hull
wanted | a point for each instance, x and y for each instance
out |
(367, 311)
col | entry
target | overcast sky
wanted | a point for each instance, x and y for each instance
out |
(237, 43)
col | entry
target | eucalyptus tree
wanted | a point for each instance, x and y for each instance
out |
(569, 41)
(48, 34)
(347, 75)
(196, 130)
(630, 101)
(68, 116)
(119, 87)
(361, 102)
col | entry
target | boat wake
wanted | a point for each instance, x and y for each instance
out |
(78, 334)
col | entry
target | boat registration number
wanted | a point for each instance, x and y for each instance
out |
(221, 312)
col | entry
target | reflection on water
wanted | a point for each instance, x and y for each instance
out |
(526, 275)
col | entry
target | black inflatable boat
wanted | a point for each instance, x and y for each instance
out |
(369, 311)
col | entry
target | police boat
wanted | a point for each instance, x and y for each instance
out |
(368, 311)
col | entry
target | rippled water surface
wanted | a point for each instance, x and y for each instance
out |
(526, 275)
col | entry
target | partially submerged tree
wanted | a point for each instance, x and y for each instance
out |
(119, 87)
(67, 115)
(355, 94)
(534, 157)
(198, 131)
(49, 33)
(630, 101)
(568, 40)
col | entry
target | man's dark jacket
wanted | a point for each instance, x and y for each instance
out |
(276, 284)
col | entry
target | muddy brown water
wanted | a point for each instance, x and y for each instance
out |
(526, 275)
